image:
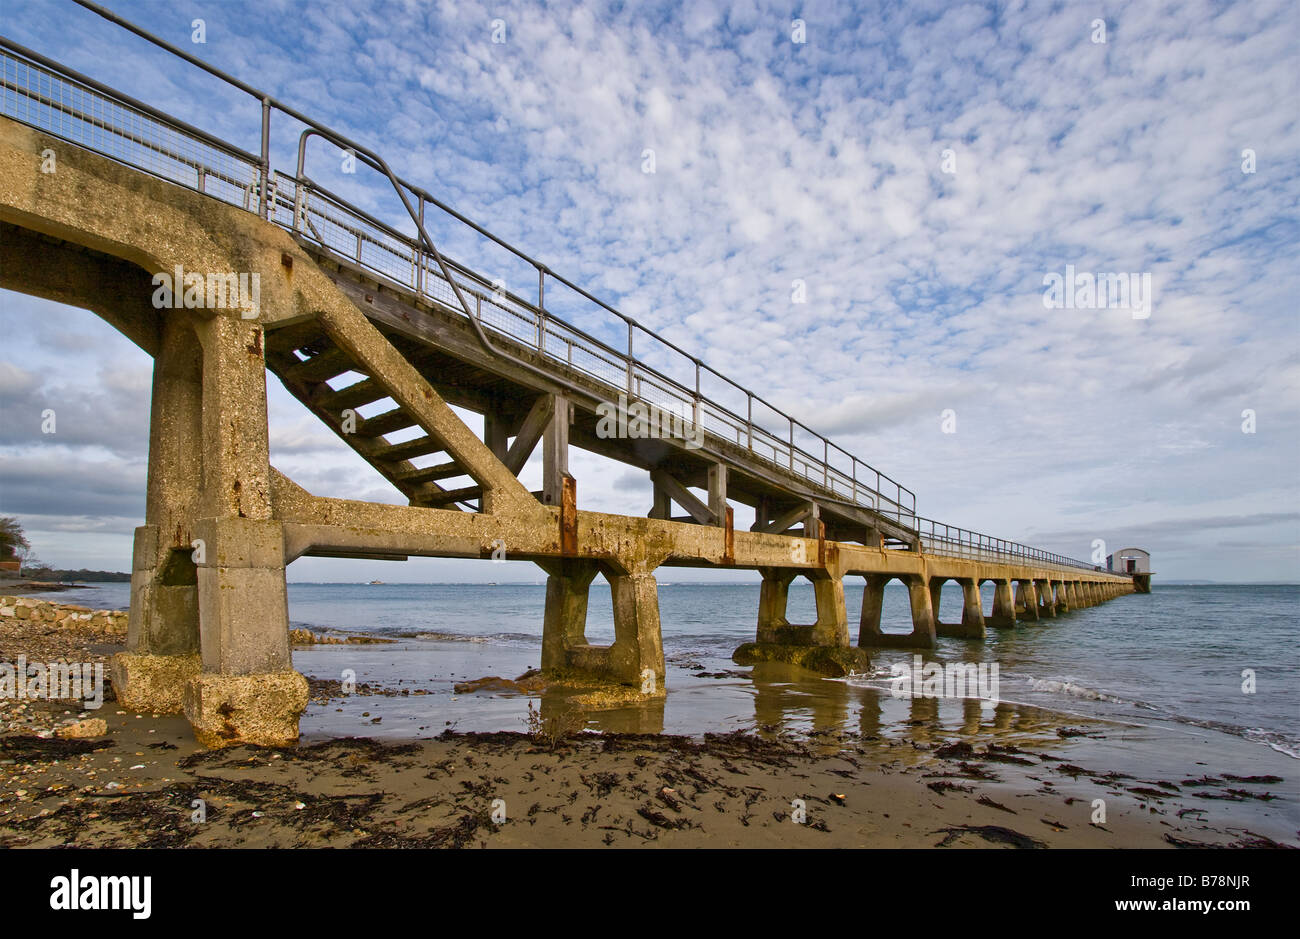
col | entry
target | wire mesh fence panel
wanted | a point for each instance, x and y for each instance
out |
(38, 97)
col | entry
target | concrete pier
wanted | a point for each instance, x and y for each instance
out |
(208, 627)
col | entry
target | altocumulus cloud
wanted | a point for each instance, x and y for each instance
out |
(822, 162)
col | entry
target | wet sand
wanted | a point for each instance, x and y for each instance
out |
(794, 762)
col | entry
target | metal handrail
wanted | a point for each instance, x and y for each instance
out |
(305, 198)
(951, 541)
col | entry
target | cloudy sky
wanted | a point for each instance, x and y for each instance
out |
(920, 168)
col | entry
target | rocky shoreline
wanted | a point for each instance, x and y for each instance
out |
(35, 631)
(21, 608)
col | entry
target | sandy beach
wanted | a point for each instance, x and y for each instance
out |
(1021, 778)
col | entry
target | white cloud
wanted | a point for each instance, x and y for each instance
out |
(822, 162)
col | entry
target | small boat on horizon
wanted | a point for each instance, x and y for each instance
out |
(374, 582)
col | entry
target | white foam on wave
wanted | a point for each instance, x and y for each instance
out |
(1075, 690)
(1291, 752)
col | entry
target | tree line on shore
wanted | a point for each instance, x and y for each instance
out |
(14, 547)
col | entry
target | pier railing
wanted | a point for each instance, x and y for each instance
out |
(951, 541)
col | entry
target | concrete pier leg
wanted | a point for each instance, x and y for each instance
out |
(636, 656)
(972, 612)
(823, 646)
(638, 648)
(873, 599)
(923, 631)
(972, 616)
(564, 622)
(248, 691)
(162, 647)
(923, 618)
(773, 598)
(832, 626)
(1062, 597)
(1029, 593)
(1004, 607)
(1046, 603)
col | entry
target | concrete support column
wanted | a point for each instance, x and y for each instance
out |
(162, 648)
(824, 646)
(248, 691)
(564, 623)
(873, 599)
(636, 656)
(923, 618)
(1046, 602)
(1029, 597)
(773, 597)
(923, 631)
(832, 626)
(555, 451)
(971, 625)
(1062, 597)
(1004, 606)
(812, 521)
(718, 493)
(638, 647)
(662, 506)
(936, 595)
(972, 612)
(496, 434)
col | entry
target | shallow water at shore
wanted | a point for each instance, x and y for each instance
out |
(377, 767)
(1175, 656)
(1172, 659)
